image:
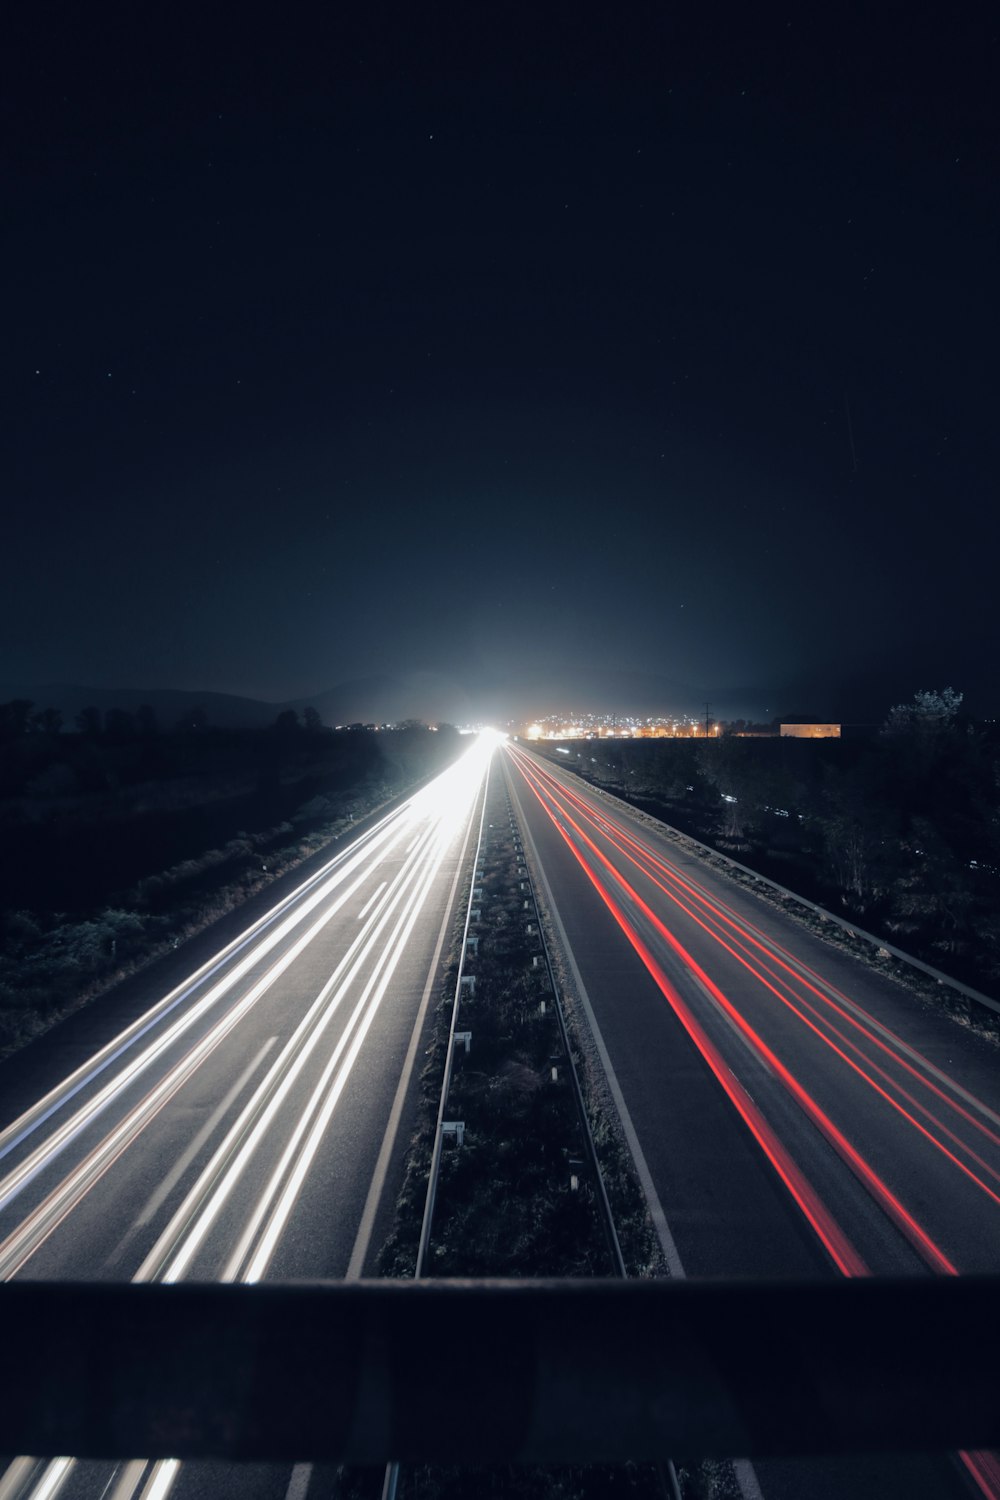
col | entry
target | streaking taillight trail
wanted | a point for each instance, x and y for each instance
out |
(808, 997)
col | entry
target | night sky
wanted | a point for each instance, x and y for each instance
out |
(524, 357)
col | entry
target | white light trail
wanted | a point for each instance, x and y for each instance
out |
(45, 1153)
(38, 1225)
(16, 1476)
(52, 1480)
(433, 802)
(183, 1162)
(259, 1113)
(13, 1135)
(334, 1080)
(371, 901)
(129, 1479)
(164, 1474)
(438, 811)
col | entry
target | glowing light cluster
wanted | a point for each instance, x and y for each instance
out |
(410, 846)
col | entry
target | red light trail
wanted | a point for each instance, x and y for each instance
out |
(835, 1020)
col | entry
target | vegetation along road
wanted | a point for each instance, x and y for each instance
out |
(246, 1126)
(792, 1112)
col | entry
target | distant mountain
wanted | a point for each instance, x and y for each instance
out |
(431, 696)
(376, 700)
(859, 693)
(225, 710)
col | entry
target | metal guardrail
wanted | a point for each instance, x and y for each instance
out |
(851, 928)
(391, 1482)
(435, 1168)
(668, 1478)
(617, 1260)
(481, 1372)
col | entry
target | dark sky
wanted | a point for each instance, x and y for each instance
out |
(546, 353)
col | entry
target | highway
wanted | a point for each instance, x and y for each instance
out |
(792, 1111)
(251, 1123)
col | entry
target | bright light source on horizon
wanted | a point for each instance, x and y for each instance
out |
(493, 737)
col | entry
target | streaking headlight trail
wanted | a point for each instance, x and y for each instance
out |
(364, 908)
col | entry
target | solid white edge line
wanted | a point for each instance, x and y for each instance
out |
(667, 1242)
(46, 1152)
(746, 1478)
(743, 1469)
(367, 1223)
(298, 1484)
(294, 1058)
(430, 841)
(164, 1472)
(134, 1122)
(87, 1071)
(675, 841)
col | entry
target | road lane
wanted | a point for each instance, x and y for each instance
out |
(238, 1130)
(797, 1112)
(244, 1145)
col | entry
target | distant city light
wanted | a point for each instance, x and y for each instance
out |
(615, 727)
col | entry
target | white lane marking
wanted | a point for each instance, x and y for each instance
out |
(297, 1169)
(299, 1482)
(659, 1218)
(36, 1227)
(220, 1176)
(183, 1162)
(12, 1135)
(446, 821)
(335, 1076)
(434, 801)
(743, 1469)
(893, 1041)
(680, 860)
(172, 1254)
(746, 1478)
(371, 901)
(362, 1239)
(45, 1153)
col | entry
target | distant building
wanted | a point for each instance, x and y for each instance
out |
(811, 731)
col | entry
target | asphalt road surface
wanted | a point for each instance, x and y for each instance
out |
(792, 1111)
(247, 1124)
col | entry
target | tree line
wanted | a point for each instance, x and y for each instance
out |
(900, 832)
(20, 719)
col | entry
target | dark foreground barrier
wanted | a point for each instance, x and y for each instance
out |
(476, 1372)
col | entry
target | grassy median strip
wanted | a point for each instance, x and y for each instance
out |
(517, 1194)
